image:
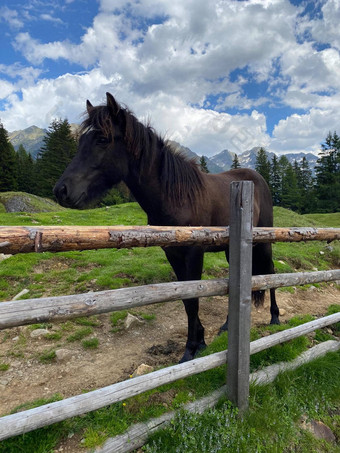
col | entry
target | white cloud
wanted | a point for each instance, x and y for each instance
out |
(54, 98)
(10, 16)
(6, 88)
(206, 131)
(305, 132)
(326, 29)
(170, 69)
(50, 18)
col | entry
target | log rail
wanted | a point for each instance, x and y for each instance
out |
(25, 239)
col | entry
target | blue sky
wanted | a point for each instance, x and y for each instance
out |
(212, 75)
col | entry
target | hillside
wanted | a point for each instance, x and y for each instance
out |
(25, 202)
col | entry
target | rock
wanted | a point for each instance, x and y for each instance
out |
(131, 321)
(318, 429)
(22, 293)
(311, 288)
(282, 311)
(38, 333)
(63, 355)
(4, 257)
(142, 369)
(25, 202)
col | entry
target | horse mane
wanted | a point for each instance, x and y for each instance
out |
(180, 177)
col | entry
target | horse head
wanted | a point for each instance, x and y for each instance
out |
(101, 160)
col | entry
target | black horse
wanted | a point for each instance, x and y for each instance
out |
(114, 146)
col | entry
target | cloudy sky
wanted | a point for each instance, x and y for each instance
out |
(211, 74)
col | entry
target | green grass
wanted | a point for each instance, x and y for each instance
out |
(80, 334)
(91, 343)
(124, 214)
(117, 316)
(4, 366)
(47, 356)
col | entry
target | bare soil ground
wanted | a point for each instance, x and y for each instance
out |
(157, 342)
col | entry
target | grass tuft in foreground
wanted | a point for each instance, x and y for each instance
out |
(273, 421)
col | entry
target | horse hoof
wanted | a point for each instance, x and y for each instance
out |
(275, 320)
(186, 357)
(190, 354)
(223, 329)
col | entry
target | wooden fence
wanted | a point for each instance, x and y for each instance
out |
(239, 286)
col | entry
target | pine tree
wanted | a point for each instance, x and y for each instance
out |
(236, 162)
(328, 175)
(57, 152)
(275, 181)
(289, 185)
(8, 167)
(203, 164)
(306, 187)
(262, 165)
(25, 166)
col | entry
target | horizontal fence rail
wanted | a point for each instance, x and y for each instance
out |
(31, 311)
(25, 239)
(48, 414)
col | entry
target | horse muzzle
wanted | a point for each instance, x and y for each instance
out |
(66, 198)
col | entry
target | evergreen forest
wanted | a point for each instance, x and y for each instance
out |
(293, 186)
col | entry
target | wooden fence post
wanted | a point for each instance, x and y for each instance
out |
(240, 273)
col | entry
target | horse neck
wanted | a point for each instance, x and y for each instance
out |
(147, 190)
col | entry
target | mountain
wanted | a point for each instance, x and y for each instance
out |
(223, 160)
(31, 138)
(183, 150)
(247, 159)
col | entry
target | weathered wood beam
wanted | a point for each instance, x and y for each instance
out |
(137, 435)
(22, 422)
(31, 311)
(240, 260)
(24, 239)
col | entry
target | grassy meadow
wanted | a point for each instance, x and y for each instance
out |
(276, 410)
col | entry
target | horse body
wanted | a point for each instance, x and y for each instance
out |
(114, 146)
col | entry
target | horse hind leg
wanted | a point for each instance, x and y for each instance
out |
(224, 327)
(263, 264)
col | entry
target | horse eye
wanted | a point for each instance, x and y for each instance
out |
(102, 140)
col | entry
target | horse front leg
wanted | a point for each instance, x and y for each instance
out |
(187, 264)
(195, 342)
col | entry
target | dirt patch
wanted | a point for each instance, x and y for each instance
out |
(157, 342)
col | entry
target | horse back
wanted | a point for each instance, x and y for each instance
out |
(218, 196)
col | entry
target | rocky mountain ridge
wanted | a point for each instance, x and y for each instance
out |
(32, 140)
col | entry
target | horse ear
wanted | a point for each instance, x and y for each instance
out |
(89, 106)
(112, 104)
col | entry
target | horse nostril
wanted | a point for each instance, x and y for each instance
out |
(61, 192)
